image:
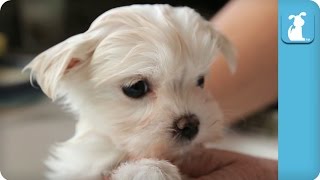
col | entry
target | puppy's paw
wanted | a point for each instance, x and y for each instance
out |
(146, 169)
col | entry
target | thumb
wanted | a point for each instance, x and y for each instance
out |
(203, 161)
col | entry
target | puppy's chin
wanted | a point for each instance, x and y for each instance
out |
(170, 150)
(161, 151)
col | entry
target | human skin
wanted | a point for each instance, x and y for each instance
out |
(251, 25)
(208, 164)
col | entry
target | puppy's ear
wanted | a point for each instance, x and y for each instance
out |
(50, 66)
(228, 51)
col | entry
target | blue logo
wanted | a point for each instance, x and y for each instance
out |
(297, 28)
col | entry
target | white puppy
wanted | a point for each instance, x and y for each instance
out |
(135, 82)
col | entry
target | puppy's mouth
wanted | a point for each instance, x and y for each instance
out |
(185, 128)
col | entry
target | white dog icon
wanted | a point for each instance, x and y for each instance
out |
(295, 30)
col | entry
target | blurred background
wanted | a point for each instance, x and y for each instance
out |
(30, 122)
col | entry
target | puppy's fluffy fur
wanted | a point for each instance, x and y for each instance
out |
(122, 137)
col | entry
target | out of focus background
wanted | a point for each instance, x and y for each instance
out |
(30, 122)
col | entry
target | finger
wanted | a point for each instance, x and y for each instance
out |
(203, 161)
(247, 168)
(232, 171)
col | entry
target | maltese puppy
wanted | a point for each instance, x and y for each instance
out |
(135, 82)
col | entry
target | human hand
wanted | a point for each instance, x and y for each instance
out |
(212, 164)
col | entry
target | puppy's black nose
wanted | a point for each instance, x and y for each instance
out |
(186, 127)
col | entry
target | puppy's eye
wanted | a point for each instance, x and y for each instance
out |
(136, 90)
(200, 81)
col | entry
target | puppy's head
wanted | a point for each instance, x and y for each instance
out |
(137, 76)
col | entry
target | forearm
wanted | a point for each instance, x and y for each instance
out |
(251, 25)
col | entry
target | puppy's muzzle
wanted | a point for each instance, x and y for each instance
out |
(186, 127)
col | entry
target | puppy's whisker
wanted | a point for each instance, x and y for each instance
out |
(213, 123)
